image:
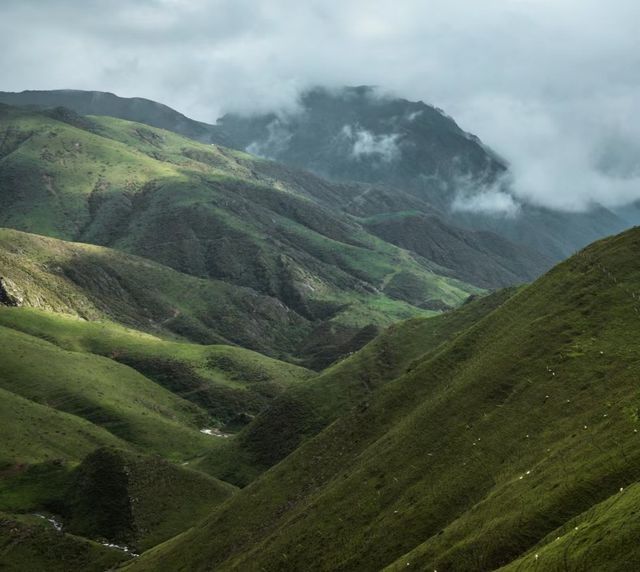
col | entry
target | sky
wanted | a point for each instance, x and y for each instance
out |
(552, 85)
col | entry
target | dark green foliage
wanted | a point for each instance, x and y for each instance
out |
(98, 505)
(222, 403)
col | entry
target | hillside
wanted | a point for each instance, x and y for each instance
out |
(512, 444)
(131, 108)
(429, 146)
(230, 384)
(109, 395)
(304, 409)
(126, 186)
(93, 283)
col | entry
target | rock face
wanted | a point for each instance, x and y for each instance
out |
(9, 293)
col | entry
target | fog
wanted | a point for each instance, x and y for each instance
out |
(552, 85)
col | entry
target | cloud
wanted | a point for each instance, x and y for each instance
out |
(552, 85)
(277, 141)
(496, 198)
(491, 201)
(365, 144)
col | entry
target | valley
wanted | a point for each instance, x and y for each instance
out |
(274, 343)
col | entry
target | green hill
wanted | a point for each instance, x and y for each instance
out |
(93, 283)
(31, 543)
(305, 409)
(109, 395)
(516, 437)
(231, 384)
(208, 211)
(431, 155)
(113, 498)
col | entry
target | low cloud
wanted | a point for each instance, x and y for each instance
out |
(564, 155)
(366, 144)
(277, 141)
(495, 199)
(552, 85)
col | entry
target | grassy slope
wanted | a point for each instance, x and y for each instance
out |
(227, 382)
(305, 409)
(112, 496)
(30, 543)
(121, 184)
(33, 433)
(471, 459)
(135, 499)
(96, 283)
(109, 395)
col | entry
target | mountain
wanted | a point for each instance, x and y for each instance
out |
(101, 428)
(511, 445)
(228, 384)
(97, 283)
(358, 134)
(208, 212)
(303, 410)
(311, 145)
(355, 134)
(132, 108)
(404, 155)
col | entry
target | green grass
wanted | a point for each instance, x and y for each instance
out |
(209, 212)
(29, 543)
(136, 499)
(100, 283)
(32, 433)
(229, 383)
(305, 409)
(520, 427)
(101, 391)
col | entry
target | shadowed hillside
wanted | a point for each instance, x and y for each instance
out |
(512, 443)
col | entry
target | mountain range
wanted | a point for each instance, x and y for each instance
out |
(287, 342)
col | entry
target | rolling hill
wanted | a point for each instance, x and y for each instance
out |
(204, 211)
(230, 384)
(427, 155)
(512, 444)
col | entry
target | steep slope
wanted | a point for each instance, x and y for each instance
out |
(202, 211)
(305, 409)
(354, 134)
(358, 134)
(473, 457)
(479, 257)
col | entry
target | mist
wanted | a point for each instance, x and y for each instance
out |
(552, 85)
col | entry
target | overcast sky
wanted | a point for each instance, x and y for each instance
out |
(552, 85)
